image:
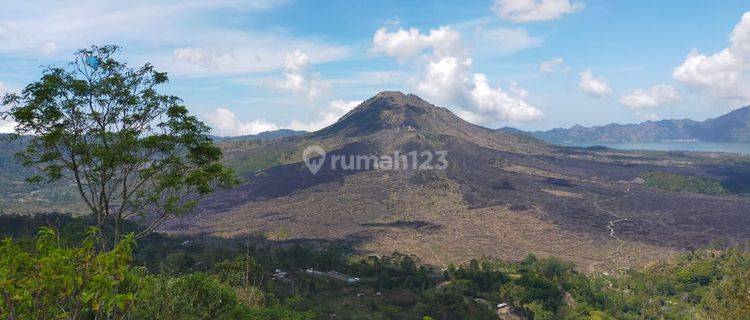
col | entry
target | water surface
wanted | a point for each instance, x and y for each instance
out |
(731, 147)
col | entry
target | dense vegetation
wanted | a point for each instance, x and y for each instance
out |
(684, 183)
(58, 273)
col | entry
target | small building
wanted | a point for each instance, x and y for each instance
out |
(353, 280)
(280, 275)
(503, 308)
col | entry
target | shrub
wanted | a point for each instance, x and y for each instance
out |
(685, 183)
(54, 282)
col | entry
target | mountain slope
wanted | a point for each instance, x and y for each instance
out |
(19, 197)
(502, 194)
(731, 127)
(266, 135)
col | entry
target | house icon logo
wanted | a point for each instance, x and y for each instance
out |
(314, 157)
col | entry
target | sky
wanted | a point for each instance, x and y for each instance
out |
(247, 66)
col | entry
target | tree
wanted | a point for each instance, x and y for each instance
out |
(129, 150)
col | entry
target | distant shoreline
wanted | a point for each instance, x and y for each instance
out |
(681, 145)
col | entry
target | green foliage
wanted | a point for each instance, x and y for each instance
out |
(103, 127)
(268, 159)
(282, 311)
(683, 183)
(225, 279)
(192, 297)
(729, 298)
(392, 271)
(54, 282)
(198, 296)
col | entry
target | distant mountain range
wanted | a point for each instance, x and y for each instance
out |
(731, 127)
(263, 136)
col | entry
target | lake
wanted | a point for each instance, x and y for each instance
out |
(731, 147)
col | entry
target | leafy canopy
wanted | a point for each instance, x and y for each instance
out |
(129, 150)
(55, 282)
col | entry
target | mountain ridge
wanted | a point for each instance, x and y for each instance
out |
(263, 136)
(733, 126)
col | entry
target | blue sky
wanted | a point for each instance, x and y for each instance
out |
(246, 66)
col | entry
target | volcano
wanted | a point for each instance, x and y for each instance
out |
(501, 195)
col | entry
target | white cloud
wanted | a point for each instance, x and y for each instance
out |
(594, 86)
(225, 123)
(247, 53)
(73, 25)
(497, 102)
(205, 58)
(724, 74)
(405, 44)
(296, 61)
(180, 37)
(504, 40)
(6, 126)
(469, 116)
(655, 96)
(552, 67)
(648, 116)
(534, 10)
(336, 109)
(296, 79)
(49, 48)
(447, 77)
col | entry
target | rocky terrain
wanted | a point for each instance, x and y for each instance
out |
(503, 195)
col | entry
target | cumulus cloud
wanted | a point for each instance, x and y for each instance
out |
(336, 109)
(297, 80)
(447, 76)
(225, 123)
(655, 96)
(405, 44)
(594, 86)
(495, 101)
(534, 10)
(552, 67)
(723, 74)
(469, 116)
